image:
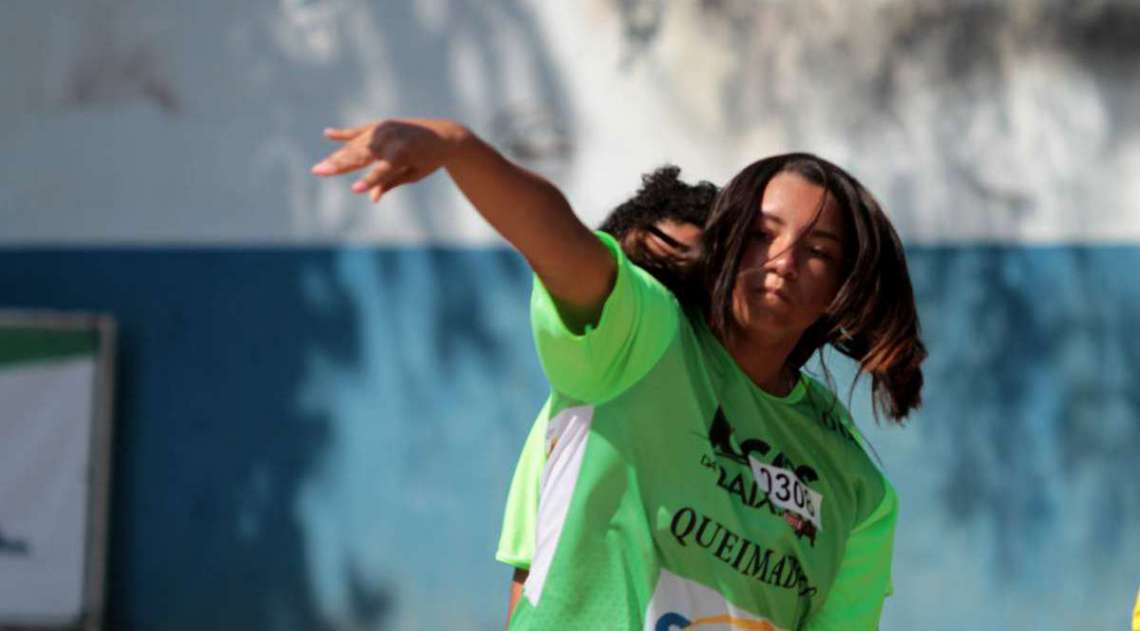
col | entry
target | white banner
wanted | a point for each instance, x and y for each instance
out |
(45, 431)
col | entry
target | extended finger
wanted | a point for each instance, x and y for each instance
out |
(344, 133)
(402, 176)
(380, 175)
(406, 175)
(344, 160)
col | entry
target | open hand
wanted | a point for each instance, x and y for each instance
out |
(400, 152)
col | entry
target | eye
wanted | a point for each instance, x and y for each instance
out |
(820, 253)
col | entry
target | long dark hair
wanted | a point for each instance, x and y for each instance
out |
(872, 319)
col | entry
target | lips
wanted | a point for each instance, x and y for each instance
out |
(759, 282)
(777, 292)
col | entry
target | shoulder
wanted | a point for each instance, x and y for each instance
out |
(595, 362)
(862, 464)
(832, 414)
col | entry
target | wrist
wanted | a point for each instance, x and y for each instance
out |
(462, 142)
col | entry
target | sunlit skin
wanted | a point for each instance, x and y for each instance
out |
(790, 271)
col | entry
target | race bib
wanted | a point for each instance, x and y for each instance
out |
(786, 491)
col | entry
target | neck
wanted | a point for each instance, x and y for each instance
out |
(763, 360)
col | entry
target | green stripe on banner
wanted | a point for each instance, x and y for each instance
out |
(20, 344)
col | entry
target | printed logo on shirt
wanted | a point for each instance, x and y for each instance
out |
(674, 621)
(679, 603)
(766, 479)
(689, 527)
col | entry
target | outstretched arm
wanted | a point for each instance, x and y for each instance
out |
(527, 210)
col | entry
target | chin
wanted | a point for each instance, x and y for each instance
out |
(766, 315)
(766, 321)
(769, 307)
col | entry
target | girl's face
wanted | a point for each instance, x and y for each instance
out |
(791, 268)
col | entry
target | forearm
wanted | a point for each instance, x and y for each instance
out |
(517, 582)
(534, 217)
(528, 211)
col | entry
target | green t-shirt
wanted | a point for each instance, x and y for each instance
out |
(677, 494)
(516, 540)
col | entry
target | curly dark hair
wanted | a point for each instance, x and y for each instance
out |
(662, 196)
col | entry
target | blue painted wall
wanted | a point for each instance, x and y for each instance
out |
(322, 438)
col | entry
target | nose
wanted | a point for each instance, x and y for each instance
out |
(784, 260)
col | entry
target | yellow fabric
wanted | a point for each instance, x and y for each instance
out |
(1136, 614)
(516, 541)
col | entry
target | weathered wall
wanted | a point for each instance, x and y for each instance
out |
(321, 401)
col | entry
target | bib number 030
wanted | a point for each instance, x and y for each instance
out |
(786, 491)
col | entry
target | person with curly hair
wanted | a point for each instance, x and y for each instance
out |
(659, 229)
(697, 477)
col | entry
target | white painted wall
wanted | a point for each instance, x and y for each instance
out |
(166, 122)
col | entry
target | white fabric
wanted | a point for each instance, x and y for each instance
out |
(566, 439)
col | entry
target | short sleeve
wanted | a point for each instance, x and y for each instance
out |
(1136, 614)
(855, 600)
(639, 320)
(516, 540)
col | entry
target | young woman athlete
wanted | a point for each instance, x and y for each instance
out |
(698, 478)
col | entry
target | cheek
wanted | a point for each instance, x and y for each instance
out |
(754, 256)
(824, 285)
